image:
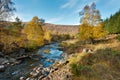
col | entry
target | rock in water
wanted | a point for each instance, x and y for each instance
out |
(2, 68)
(1, 54)
(22, 78)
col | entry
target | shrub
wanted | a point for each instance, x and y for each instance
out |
(61, 37)
(79, 70)
(47, 36)
(30, 45)
(64, 44)
(98, 66)
(118, 37)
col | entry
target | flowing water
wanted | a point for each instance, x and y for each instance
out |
(50, 53)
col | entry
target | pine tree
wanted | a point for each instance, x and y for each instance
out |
(112, 24)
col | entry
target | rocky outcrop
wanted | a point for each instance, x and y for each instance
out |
(62, 73)
(57, 71)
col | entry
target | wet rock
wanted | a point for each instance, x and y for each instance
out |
(22, 78)
(28, 79)
(2, 68)
(47, 69)
(12, 60)
(1, 54)
(15, 73)
(47, 51)
(34, 74)
(18, 62)
(3, 61)
(22, 51)
(61, 48)
(42, 71)
(35, 56)
(50, 60)
(41, 77)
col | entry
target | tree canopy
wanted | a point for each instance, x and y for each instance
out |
(91, 24)
(6, 9)
(90, 15)
(112, 24)
(34, 31)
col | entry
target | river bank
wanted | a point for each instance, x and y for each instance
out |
(27, 66)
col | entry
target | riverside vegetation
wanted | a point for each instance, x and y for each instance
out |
(93, 53)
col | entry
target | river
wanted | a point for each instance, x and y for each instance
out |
(50, 53)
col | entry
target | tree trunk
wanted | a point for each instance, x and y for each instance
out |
(92, 41)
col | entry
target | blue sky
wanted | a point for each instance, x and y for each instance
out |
(61, 11)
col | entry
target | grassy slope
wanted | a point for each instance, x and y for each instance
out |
(104, 64)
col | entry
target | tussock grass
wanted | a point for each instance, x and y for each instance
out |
(103, 65)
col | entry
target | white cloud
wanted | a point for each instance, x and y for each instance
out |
(70, 3)
(54, 20)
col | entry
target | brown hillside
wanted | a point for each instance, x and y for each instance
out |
(55, 29)
(61, 29)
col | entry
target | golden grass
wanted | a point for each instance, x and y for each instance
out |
(113, 43)
(71, 41)
(76, 57)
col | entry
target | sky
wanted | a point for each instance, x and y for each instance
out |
(64, 12)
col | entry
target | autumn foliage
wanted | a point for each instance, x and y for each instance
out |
(47, 36)
(87, 32)
(91, 27)
(34, 31)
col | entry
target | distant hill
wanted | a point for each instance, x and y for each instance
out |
(55, 29)
(62, 29)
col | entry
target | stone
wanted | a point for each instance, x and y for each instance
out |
(21, 78)
(15, 73)
(49, 60)
(42, 71)
(22, 51)
(84, 50)
(12, 60)
(41, 77)
(3, 61)
(47, 69)
(1, 54)
(90, 51)
(35, 68)
(41, 65)
(2, 68)
(34, 74)
(47, 51)
(37, 71)
(28, 79)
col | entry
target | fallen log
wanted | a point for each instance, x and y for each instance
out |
(22, 57)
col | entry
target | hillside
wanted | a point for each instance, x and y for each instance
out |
(61, 29)
(55, 29)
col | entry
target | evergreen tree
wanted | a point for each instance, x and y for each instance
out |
(112, 24)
